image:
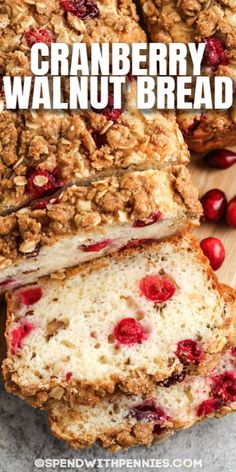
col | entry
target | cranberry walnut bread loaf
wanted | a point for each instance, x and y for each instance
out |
(88, 221)
(121, 421)
(24, 23)
(128, 320)
(212, 22)
(42, 152)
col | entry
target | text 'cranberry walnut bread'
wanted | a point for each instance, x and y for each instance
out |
(121, 421)
(42, 152)
(212, 22)
(128, 320)
(24, 23)
(83, 223)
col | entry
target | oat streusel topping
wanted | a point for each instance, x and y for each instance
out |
(194, 21)
(43, 151)
(111, 201)
(24, 22)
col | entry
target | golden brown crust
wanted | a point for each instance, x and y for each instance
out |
(126, 436)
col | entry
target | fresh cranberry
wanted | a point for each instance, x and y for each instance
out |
(148, 411)
(224, 386)
(220, 159)
(129, 331)
(156, 288)
(188, 132)
(173, 379)
(97, 246)
(214, 249)
(18, 335)
(209, 406)
(83, 9)
(68, 376)
(41, 36)
(50, 184)
(30, 296)
(153, 218)
(109, 111)
(189, 352)
(214, 204)
(214, 54)
(231, 213)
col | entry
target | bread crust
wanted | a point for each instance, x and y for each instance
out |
(126, 436)
(128, 430)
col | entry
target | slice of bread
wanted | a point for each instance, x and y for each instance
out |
(85, 222)
(121, 421)
(44, 151)
(128, 320)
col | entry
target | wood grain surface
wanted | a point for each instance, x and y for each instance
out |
(205, 179)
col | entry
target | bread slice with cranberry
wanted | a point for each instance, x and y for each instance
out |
(122, 421)
(129, 320)
(42, 152)
(85, 222)
(213, 22)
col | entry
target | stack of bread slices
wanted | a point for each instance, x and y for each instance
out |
(116, 323)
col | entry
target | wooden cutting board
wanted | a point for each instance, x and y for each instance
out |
(205, 179)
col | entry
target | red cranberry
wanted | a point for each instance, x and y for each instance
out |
(129, 331)
(231, 213)
(156, 288)
(214, 204)
(18, 335)
(68, 376)
(83, 9)
(224, 386)
(109, 111)
(209, 406)
(97, 246)
(41, 36)
(30, 296)
(149, 411)
(220, 159)
(188, 132)
(50, 183)
(153, 218)
(214, 249)
(189, 352)
(214, 54)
